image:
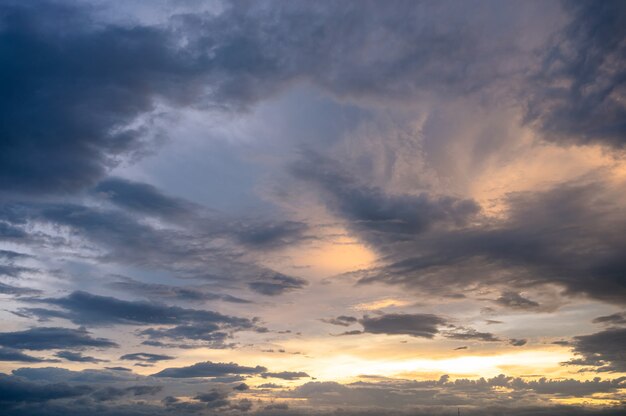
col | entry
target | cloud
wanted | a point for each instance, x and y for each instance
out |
(45, 338)
(13, 390)
(210, 369)
(576, 96)
(415, 325)
(374, 215)
(65, 126)
(16, 290)
(195, 249)
(113, 393)
(469, 334)
(286, 375)
(142, 198)
(144, 356)
(276, 284)
(342, 320)
(614, 319)
(86, 308)
(81, 129)
(516, 342)
(78, 357)
(268, 235)
(577, 221)
(514, 300)
(10, 354)
(184, 293)
(439, 396)
(601, 351)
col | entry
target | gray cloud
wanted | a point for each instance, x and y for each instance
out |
(142, 198)
(78, 357)
(342, 320)
(145, 356)
(184, 293)
(113, 393)
(377, 217)
(14, 390)
(10, 354)
(517, 342)
(415, 325)
(469, 334)
(577, 95)
(210, 369)
(613, 319)
(275, 284)
(16, 290)
(558, 236)
(52, 338)
(86, 308)
(285, 375)
(514, 300)
(602, 351)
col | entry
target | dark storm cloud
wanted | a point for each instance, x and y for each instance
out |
(78, 357)
(52, 338)
(602, 351)
(210, 369)
(578, 94)
(142, 198)
(514, 300)
(286, 375)
(86, 308)
(10, 354)
(571, 236)
(274, 284)
(415, 325)
(145, 356)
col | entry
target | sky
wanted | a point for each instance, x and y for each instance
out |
(302, 208)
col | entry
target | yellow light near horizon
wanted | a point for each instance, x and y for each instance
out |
(349, 367)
